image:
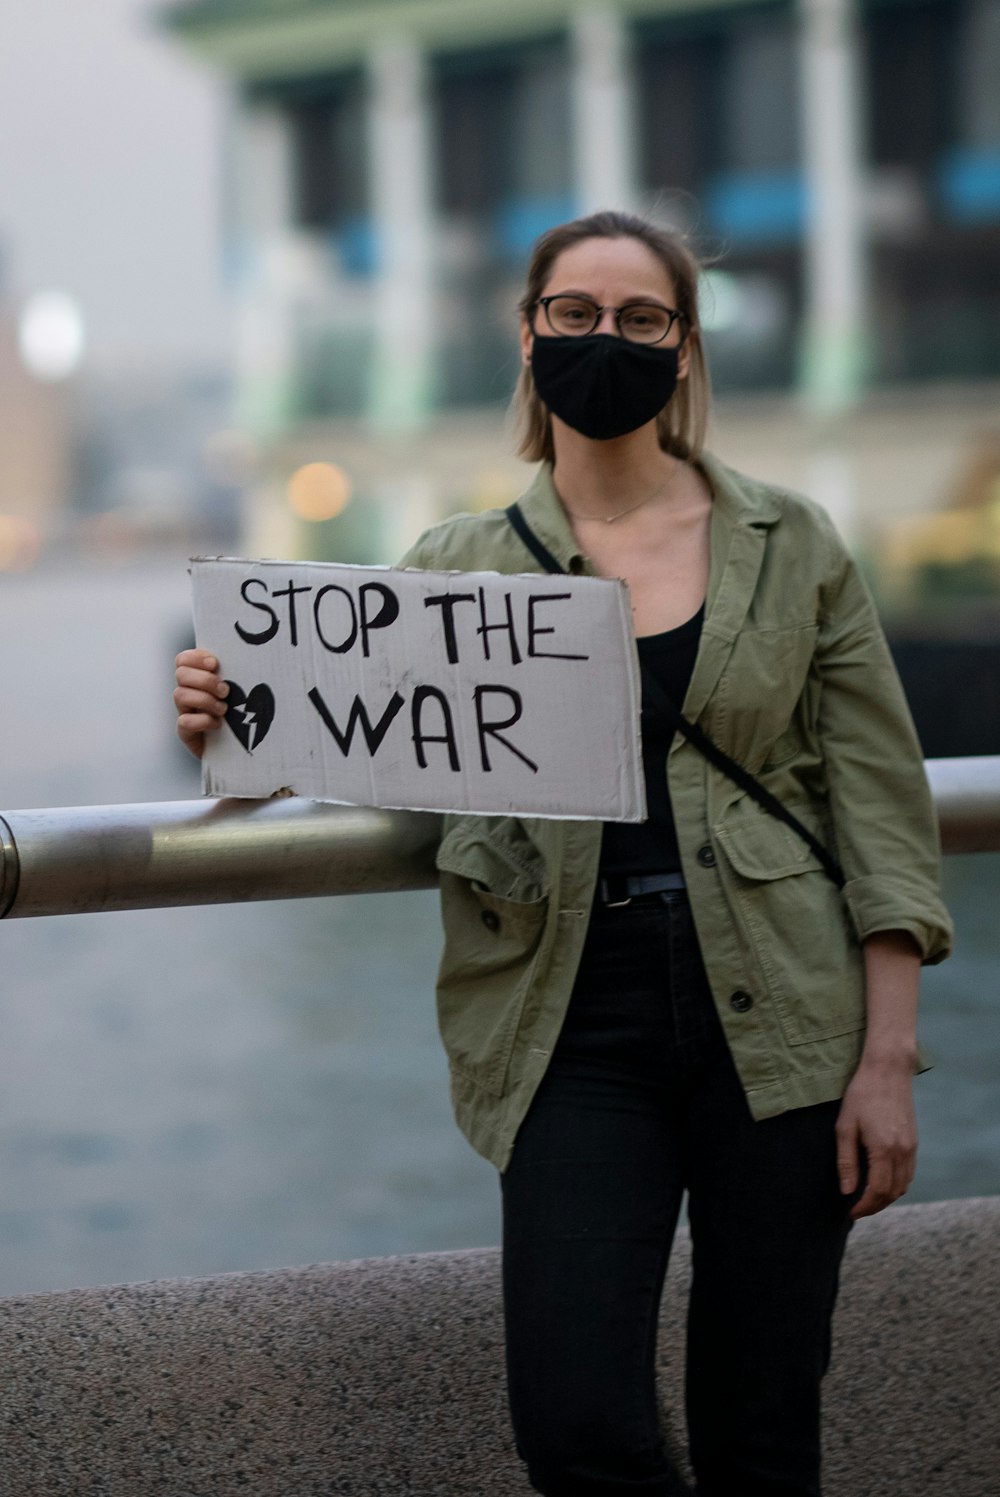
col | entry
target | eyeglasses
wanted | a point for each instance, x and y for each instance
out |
(638, 322)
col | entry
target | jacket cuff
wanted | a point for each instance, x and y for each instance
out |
(885, 901)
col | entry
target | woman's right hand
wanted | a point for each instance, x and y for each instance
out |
(199, 698)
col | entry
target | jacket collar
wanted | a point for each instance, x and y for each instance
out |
(743, 511)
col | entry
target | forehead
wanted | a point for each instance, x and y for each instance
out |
(611, 269)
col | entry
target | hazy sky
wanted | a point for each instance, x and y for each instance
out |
(109, 169)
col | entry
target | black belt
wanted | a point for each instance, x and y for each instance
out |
(622, 888)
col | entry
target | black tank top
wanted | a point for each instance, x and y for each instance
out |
(651, 846)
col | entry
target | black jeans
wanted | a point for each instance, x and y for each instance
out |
(642, 1102)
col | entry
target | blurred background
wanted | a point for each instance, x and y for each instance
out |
(259, 267)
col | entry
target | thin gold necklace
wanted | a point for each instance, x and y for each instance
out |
(621, 513)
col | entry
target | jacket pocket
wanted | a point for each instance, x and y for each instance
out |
(795, 921)
(494, 904)
(759, 690)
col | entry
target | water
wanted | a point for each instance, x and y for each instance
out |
(238, 1087)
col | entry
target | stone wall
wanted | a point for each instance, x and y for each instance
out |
(386, 1376)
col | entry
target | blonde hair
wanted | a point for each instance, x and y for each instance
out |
(681, 424)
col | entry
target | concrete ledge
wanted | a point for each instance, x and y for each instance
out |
(386, 1376)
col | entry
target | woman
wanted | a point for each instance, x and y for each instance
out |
(692, 1004)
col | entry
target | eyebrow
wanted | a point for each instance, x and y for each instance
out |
(630, 301)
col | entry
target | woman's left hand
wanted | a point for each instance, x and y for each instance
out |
(877, 1117)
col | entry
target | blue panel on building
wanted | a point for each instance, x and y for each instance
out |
(969, 184)
(518, 221)
(757, 207)
(355, 241)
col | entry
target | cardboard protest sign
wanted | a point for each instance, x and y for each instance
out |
(436, 691)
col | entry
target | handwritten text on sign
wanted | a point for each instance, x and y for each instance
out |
(445, 691)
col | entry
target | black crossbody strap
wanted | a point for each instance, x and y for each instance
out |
(538, 549)
(740, 776)
(697, 736)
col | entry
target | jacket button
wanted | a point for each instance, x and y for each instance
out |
(741, 1001)
(705, 856)
(491, 920)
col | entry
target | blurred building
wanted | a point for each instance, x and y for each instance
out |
(156, 460)
(389, 165)
(113, 458)
(35, 452)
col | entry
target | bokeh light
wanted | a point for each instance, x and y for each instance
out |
(50, 335)
(20, 543)
(318, 491)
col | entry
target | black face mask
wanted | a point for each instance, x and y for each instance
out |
(601, 385)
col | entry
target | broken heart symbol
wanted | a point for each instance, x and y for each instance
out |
(250, 714)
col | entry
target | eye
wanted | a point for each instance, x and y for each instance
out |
(571, 314)
(649, 323)
(643, 317)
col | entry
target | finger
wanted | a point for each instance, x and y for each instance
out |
(188, 700)
(202, 660)
(847, 1158)
(878, 1188)
(192, 738)
(193, 724)
(870, 1204)
(202, 681)
(191, 730)
(904, 1169)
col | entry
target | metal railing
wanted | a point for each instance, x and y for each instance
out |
(84, 859)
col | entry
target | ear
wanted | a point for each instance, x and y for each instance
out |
(527, 338)
(684, 357)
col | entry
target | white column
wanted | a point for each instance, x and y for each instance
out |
(260, 254)
(261, 169)
(402, 373)
(259, 233)
(835, 342)
(835, 334)
(603, 125)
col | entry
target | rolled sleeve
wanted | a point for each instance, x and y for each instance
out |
(881, 902)
(884, 822)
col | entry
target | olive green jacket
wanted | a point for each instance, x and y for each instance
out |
(794, 680)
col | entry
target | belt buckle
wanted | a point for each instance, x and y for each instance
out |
(612, 904)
